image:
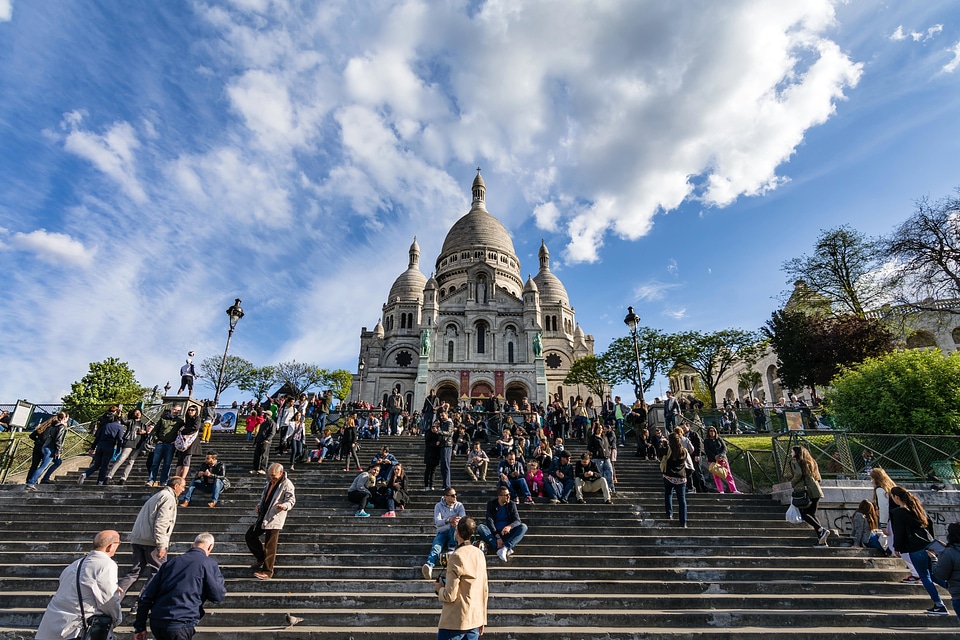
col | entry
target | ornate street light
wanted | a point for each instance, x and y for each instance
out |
(633, 322)
(361, 365)
(235, 313)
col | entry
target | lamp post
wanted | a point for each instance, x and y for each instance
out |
(235, 313)
(633, 322)
(361, 365)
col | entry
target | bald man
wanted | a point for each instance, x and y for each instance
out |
(98, 584)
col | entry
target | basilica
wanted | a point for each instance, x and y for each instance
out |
(474, 329)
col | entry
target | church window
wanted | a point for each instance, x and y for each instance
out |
(510, 352)
(478, 254)
(453, 258)
(481, 337)
(443, 292)
(553, 360)
(404, 359)
(444, 263)
(410, 321)
(450, 351)
(403, 321)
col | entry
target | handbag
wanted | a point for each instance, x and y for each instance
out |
(182, 443)
(97, 626)
(718, 470)
(800, 498)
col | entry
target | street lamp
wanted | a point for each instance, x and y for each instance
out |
(361, 365)
(235, 313)
(633, 322)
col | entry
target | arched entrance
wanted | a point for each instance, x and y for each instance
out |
(447, 392)
(516, 391)
(481, 389)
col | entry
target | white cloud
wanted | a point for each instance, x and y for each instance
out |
(53, 248)
(653, 290)
(916, 36)
(676, 314)
(112, 152)
(898, 35)
(6, 10)
(547, 215)
(672, 265)
(954, 64)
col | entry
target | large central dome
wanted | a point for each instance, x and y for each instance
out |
(478, 229)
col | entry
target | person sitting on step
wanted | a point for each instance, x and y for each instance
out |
(505, 443)
(559, 483)
(360, 491)
(512, 474)
(446, 515)
(477, 463)
(589, 479)
(534, 479)
(502, 529)
(386, 461)
(211, 477)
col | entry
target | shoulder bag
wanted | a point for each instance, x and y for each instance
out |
(801, 498)
(98, 626)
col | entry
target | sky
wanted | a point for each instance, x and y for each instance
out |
(159, 159)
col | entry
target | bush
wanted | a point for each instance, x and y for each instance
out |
(902, 392)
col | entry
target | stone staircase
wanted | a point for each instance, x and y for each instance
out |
(583, 571)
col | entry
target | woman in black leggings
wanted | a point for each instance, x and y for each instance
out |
(804, 474)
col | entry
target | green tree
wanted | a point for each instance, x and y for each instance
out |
(235, 371)
(109, 382)
(299, 377)
(812, 349)
(750, 380)
(658, 352)
(901, 392)
(843, 267)
(340, 381)
(586, 371)
(258, 381)
(713, 354)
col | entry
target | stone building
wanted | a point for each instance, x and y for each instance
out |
(474, 328)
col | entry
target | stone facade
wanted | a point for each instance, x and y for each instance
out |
(474, 328)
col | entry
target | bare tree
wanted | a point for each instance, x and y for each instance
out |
(843, 267)
(925, 252)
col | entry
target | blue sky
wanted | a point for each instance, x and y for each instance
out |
(160, 159)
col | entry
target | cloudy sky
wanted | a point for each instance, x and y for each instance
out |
(160, 159)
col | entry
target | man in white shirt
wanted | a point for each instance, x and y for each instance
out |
(98, 585)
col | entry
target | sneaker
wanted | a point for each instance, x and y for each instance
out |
(502, 554)
(32, 487)
(509, 552)
(121, 482)
(185, 504)
(253, 472)
(528, 500)
(260, 575)
(361, 514)
(938, 610)
(581, 501)
(389, 514)
(911, 580)
(427, 571)
(516, 501)
(149, 483)
(399, 507)
(82, 477)
(554, 501)
(261, 472)
(212, 505)
(823, 537)
(608, 502)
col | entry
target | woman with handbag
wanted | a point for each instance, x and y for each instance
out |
(882, 485)
(865, 531)
(804, 475)
(675, 466)
(716, 451)
(912, 535)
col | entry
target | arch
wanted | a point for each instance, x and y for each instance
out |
(773, 381)
(410, 320)
(403, 321)
(515, 391)
(447, 392)
(921, 340)
(408, 399)
(481, 388)
(730, 395)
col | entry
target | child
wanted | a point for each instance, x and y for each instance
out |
(535, 479)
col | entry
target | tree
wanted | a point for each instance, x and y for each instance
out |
(586, 371)
(901, 392)
(109, 382)
(658, 352)
(235, 371)
(843, 267)
(299, 376)
(812, 349)
(712, 355)
(340, 381)
(925, 252)
(749, 380)
(258, 381)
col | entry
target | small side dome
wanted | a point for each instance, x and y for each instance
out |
(378, 330)
(578, 332)
(431, 283)
(552, 290)
(530, 286)
(409, 285)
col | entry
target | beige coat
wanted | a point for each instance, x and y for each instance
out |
(799, 481)
(285, 495)
(464, 595)
(156, 520)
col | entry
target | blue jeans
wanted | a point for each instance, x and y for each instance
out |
(49, 474)
(296, 450)
(565, 491)
(47, 458)
(101, 463)
(441, 542)
(394, 424)
(921, 562)
(623, 436)
(518, 487)
(453, 634)
(445, 454)
(606, 470)
(216, 487)
(319, 423)
(162, 457)
(510, 541)
(681, 490)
